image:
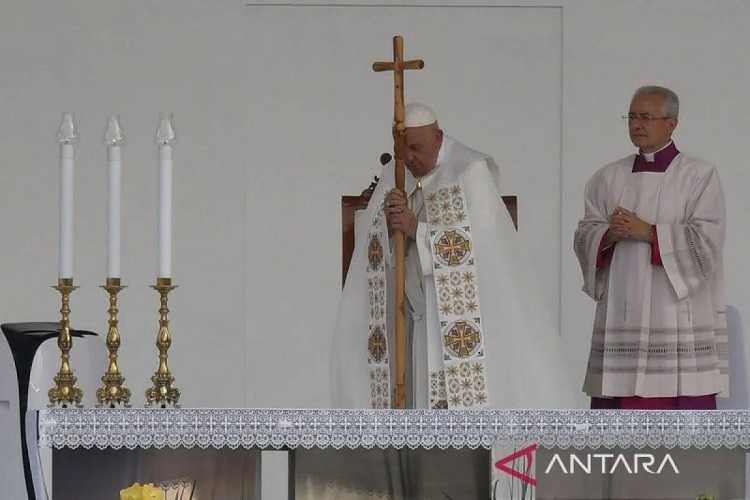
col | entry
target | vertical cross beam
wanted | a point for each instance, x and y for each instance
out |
(398, 66)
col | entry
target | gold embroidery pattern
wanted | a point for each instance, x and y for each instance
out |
(462, 339)
(380, 388)
(452, 247)
(457, 293)
(455, 275)
(377, 340)
(467, 384)
(376, 292)
(438, 394)
(446, 206)
(377, 345)
(375, 252)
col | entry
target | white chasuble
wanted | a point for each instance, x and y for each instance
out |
(659, 331)
(473, 337)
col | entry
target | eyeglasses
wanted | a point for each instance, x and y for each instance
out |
(643, 117)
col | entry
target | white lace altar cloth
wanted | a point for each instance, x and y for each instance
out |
(322, 428)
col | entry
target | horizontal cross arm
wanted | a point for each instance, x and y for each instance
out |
(389, 66)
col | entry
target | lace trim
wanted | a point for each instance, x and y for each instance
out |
(278, 428)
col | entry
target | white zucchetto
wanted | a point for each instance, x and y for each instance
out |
(418, 115)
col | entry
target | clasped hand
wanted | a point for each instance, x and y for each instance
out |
(625, 225)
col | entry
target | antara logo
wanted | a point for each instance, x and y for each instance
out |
(526, 454)
(606, 463)
(609, 463)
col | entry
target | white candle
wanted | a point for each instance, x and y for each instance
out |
(114, 139)
(113, 213)
(66, 136)
(165, 211)
(165, 138)
(65, 254)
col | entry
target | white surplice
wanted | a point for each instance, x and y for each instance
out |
(659, 331)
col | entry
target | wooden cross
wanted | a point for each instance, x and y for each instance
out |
(398, 65)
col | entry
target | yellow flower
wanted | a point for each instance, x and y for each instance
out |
(142, 492)
(151, 492)
(134, 492)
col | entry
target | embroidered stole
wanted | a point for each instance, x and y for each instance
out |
(459, 379)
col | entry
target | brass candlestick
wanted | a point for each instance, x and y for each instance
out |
(162, 393)
(113, 392)
(65, 393)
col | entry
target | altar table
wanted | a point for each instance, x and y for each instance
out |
(703, 444)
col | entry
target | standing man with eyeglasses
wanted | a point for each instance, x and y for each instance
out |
(650, 248)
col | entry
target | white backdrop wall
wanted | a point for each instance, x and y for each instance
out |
(278, 114)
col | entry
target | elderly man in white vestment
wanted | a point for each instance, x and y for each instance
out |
(472, 344)
(650, 248)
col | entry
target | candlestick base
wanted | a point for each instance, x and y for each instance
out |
(162, 394)
(113, 393)
(64, 392)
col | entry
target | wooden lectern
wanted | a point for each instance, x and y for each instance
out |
(351, 203)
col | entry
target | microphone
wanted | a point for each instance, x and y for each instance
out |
(385, 158)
